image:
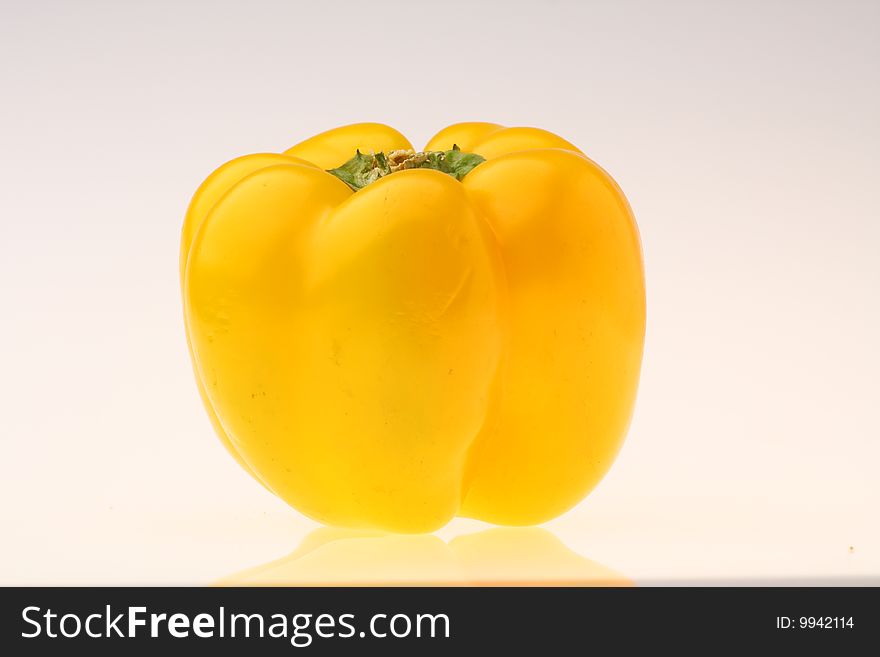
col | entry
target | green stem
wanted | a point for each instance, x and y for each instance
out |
(362, 169)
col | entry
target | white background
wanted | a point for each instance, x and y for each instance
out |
(745, 135)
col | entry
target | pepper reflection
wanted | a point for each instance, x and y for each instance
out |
(496, 557)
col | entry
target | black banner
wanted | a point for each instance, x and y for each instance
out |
(433, 621)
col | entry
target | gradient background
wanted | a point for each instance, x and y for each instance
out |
(745, 135)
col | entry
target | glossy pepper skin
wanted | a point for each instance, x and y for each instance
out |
(423, 347)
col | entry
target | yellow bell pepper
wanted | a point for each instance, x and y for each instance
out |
(387, 339)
